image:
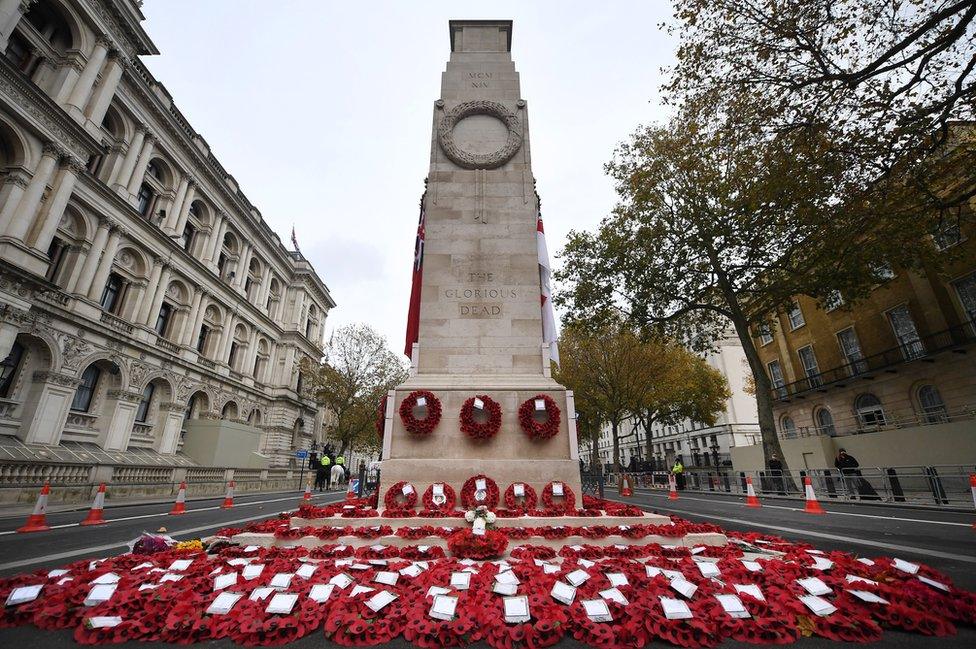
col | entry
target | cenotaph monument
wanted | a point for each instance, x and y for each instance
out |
(480, 324)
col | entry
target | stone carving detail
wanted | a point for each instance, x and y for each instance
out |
(462, 158)
(57, 379)
(139, 373)
(74, 349)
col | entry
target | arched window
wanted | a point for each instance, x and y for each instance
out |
(825, 422)
(112, 293)
(145, 199)
(86, 391)
(142, 412)
(931, 405)
(186, 238)
(787, 426)
(153, 169)
(8, 369)
(869, 412)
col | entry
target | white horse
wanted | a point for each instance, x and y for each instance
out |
(338, 474)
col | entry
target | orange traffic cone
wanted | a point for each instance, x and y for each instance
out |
(308, 491)
(625, 489)
(229, 498)
(751, 499)
(37, 522)
(179, 507)
(674, 488)
(812, 506)
(972, 488)
(95, 513)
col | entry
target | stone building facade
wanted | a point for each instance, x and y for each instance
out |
(697, 444)
(145, 305)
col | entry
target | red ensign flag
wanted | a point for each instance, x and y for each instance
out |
(549, 334)
(413, 313)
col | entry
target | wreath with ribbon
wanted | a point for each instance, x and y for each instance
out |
(469, 495)
(484, 429)
(539, 429)
(450, 499)
(393, 494)
(381, 418)
(569, 498)
(427, 424)
(528, 500)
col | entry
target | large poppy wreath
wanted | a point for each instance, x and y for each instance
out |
(481, 430)
(528, 498)
(427, 424)
(539, 429)
(568, 499)
(399, 490)
(471, 496)
(447, 505)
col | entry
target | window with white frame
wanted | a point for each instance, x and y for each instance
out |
(765, 333)
(906, 333)
(810, 368)
(850, 347)
(776, 377)
(833, 300)
(966, 292)
(795, 316)
(933, 409)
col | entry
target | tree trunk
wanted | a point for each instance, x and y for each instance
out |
(594, 456)
(650, 441)
(615, 429)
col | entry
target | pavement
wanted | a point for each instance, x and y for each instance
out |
(944, 540)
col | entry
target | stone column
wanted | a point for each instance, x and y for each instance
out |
(129, 162)
(123, 417)
(174, 210)
(23, 216)
(188, 330)
(265, 287)
(65, 184)
(105, 265)
(247, 367)
(140, 171)
(228, 338)
(184, 213)
(46, 409)
(83, 87)
(157, 300)
(134, 304)
(217, 236)
(167, 442)
(143, 316)
(82, 279)
(10, 196)
(11, 11)
(106, 88)
(242, 266)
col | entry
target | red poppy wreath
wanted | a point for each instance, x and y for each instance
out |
(399, 490)
(539, 429)
(481, 430)
(422, 398)
(475, 493)
(568, 497)
(526, 500)
(445, 505)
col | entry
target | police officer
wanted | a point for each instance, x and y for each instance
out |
(679, 473)
(322, 472)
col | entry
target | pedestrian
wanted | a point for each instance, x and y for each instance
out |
(849, 469)
(322, 473)
(678, 470)
(776, 471)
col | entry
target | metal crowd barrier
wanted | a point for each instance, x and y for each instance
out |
(941, 486)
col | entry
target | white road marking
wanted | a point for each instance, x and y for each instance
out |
(188, 511)
(832, 512)
(111, 546)
(832, 537)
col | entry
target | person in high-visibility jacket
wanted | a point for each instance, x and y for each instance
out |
(322, 472)
(679, 473)
(338, 472)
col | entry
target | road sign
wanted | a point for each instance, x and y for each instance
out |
(302, 454)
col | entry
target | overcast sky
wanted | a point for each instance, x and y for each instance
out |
(322, 112)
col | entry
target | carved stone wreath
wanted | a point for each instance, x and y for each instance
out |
(469, 160)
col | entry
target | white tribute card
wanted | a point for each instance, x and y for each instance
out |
(751, 566)
(421, 402)
(933, 583)
(307, 570)
(24, 594)
(260, 593)
(321, 592)
(480, 484)
(461, 580)
(180, 565)
(814, 586)
(407, 489)
(708, 569)
(818, 605)
(866, 596)
(683, 586)
(282, 603)
(434, 591)
(750, 589)
(733, 606)
(170, 577)
(518, 490)
(252, 571)
(281, 580)
(549, 569)
(387, 578)
(906, 566)
(516, 609)
(617, 579)
(577, 577)
(675, 609)
(379, 600)
(100, 593)
(107, 578)
(597, 610)
(359, 589)
(820, 563)
(411, 571)
(443, 607)
(540, 404)
(223, 581)
(104, 621)
(223, 603)
(479, 404)
(60, 573)
(557, 489)
(864, 580)
(507, 577)
(505, 589)
(563, 593)
(614, 595)
(341, 580)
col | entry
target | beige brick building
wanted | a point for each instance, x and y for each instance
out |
(146, 306)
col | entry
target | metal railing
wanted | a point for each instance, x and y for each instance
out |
(906, 351)
(882, 421)
(939, 486)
